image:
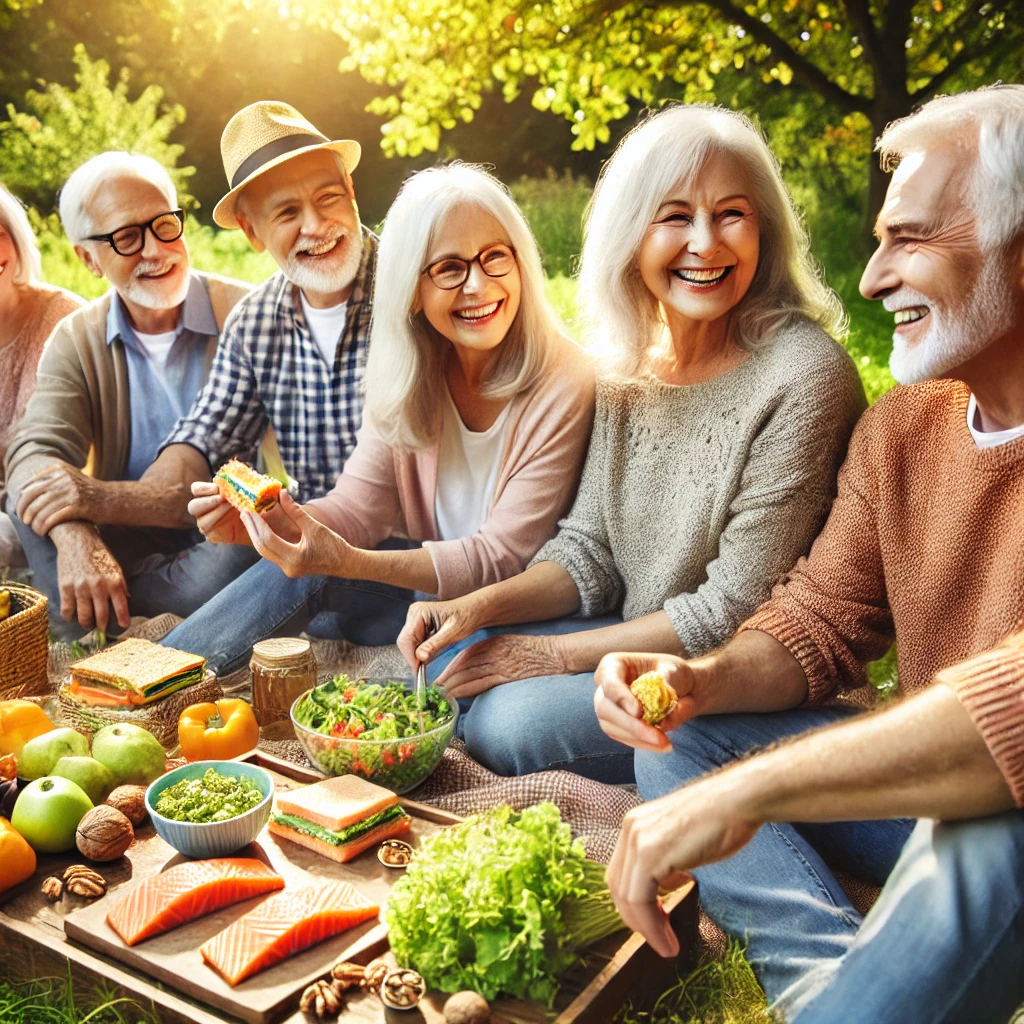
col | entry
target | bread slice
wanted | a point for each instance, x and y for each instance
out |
(346, 851)
(336, 803)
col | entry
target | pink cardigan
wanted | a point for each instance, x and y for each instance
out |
(384, 490)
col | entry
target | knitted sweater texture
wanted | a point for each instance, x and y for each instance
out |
(923, 547)
(695, 499)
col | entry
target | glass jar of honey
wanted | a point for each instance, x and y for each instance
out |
(282, 668)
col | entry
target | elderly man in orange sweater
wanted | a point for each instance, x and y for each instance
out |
(925, 547)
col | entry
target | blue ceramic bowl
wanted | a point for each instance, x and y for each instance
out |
(213, 838)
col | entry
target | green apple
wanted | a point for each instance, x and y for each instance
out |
(95, 779)
(133, 755)
(39, 755)
(48, 812)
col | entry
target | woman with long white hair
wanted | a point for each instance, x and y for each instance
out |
(717, 438)
(478, 411)
(29, 311)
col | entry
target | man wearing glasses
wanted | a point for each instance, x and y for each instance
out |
(98, 529)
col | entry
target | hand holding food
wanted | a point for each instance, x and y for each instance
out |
(432, 626)
(217, 732)
(218, 521)
(248, 491)
(656, 697)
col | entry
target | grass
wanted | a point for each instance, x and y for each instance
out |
(55, 1001)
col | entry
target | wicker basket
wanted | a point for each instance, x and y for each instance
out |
(23, 644)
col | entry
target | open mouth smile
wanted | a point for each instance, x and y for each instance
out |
(323, 249)
(478, 314)
(158, 275)
(702, 278)
(909, 316)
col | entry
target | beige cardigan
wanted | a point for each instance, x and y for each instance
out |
(80, 411)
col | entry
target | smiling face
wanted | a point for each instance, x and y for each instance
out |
(479, 314)
(156, 277)
(700, 253)
(950, 299)
(303, 213)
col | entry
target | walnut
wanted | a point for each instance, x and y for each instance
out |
(467, 1008)
(82, 881)
(402, 989)
(104, 834)
(374, 974)
(131, 802)
(53, 889)
(347, 975)
(323, 998)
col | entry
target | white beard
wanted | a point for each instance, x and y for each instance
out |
(955, 335)
(154, 294)
(314, 279)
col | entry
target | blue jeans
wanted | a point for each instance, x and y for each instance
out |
(165, 570)
(915, 957)
(542, 724)
(264, 602)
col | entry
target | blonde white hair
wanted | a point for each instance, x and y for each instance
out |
(664, 153)
(990, 121)
(14, 221)
(82, 185)
(405, 366)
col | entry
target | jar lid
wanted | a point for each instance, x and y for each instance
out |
(281, 649)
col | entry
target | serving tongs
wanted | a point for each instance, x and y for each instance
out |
(421, 692)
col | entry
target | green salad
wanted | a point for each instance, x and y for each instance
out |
(214, 797)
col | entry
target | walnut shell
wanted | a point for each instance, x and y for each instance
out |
(131, 802)
(104, 834)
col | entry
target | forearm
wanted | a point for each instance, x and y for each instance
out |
(923, 758)
(544, 591)
(653, 634)
(23, 472)
(412, 568)
(161, 496)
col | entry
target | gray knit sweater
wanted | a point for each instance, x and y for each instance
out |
(697, 499)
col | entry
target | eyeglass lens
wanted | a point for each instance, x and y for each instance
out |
(128, 241)
(450, 273)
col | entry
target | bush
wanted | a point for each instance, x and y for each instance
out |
(554, 208)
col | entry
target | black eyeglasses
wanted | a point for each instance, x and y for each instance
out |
(127, 241)
(453, 271)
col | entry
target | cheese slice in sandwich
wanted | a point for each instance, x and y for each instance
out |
(339, 817)
(134, 672)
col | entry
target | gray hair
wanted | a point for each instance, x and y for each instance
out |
(405, 366)
(996, 189)
(81, 187)
(14, 221)
(667, 151)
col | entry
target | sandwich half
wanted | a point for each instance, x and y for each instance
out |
(339, 817)
(246, 489)
(132, 673)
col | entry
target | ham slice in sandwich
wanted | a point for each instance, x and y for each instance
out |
(339, 817)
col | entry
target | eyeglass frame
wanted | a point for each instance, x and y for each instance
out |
(147, 226)
(469, 265)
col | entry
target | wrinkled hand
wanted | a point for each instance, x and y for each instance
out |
(297, 543)
(58, 494)
(220, 522)
(500, 659)
(90, 581)
(620, 713)
(433, 626)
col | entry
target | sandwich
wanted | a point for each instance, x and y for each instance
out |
(247, 490)
(133, 673)
(339, 817)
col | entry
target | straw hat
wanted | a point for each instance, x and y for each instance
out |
(263, 135)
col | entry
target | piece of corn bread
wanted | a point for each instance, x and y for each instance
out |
(655, 695)
(246, 489)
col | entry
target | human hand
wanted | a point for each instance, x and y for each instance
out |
(218, 520)
(58, 494)
(661, 840)
(299, 544)
(501, 659)
(89, 578)
(621, 714)
(433, 626)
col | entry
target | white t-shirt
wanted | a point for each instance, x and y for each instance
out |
(989, 438)
(467, 472)
(326, 326)
(157, 346)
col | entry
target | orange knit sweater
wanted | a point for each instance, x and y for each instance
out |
(924, 546)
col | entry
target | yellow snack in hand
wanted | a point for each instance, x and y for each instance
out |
(656, 696)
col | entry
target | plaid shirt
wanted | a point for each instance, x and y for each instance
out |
(269, 371)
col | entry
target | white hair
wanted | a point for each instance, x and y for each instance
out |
(991, 122)
(81, 187)
(667, 151)
(15, 222)
(405, 366)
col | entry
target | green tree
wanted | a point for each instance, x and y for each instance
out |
(863, 62)
(61, 127)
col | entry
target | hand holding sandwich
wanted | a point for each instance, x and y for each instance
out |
(220, 522)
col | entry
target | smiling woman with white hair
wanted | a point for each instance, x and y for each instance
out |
(29, 311)
(477, 416)
(713, 460)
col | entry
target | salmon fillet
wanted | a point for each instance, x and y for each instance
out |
(284, 925)
(188, 891)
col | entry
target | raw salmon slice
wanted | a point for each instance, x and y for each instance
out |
(284, 925)
(188, 891)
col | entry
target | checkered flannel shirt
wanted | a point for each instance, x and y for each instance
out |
(269, 371)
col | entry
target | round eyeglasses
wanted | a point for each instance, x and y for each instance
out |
(130, 239)
(452, 272)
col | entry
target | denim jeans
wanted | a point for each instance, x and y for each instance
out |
(541, 724)
(948, 921)
(165, 570)
(264, 602)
